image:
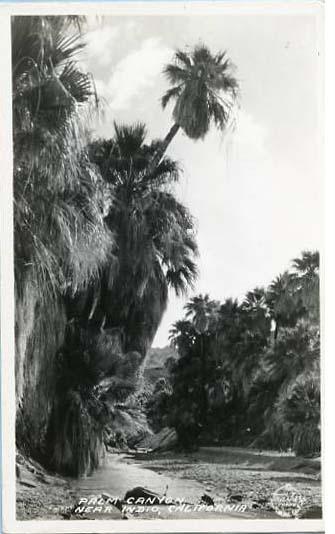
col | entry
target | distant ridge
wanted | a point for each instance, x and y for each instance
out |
(157, 356)
(155, 363)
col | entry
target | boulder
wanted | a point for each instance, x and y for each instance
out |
(142, 494)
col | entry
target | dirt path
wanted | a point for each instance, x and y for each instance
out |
(121, 473)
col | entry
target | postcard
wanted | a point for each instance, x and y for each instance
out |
(162, 266)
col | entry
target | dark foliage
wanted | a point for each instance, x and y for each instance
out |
(248, 372)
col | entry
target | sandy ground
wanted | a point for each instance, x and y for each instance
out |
(230, 476)
(243, 475)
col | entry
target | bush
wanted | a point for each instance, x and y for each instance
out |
(294, 420)
(307, 440)
(300, 407)
(76, 434)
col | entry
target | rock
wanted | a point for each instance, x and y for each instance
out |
(18, 471)
(150, 497)
(165, 439)
(28, 483)
(206, 499)
(20, 459)
(234, 498)
(262, 501)
(313, 512)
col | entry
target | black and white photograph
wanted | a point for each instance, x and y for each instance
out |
(167, 220)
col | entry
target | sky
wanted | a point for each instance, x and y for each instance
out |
(256, 191)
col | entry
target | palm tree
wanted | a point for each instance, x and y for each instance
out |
(296, 350)
(61, 239)
(308, 283)
(281, 301)
(308, 264)
(204, 91)
(258, 315)
(242, 334)
(203, 313)
(255, 300)
(155, 244)
(182, 336)
(229, 323)
(299, 406)
(60, 235)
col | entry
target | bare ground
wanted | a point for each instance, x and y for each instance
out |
(236, 474)
(226, 474)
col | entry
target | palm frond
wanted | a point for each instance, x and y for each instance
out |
(170, 94)
(50, 168)
(201, 54)
(183, 57)
(175, 74)
(78, 84)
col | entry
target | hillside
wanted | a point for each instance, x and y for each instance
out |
(157, 357)
(155, 362)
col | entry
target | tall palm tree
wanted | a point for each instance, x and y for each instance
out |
(182, 336)
(204, 91)
(308, 283)
(308, 264)
(61, 239)
(281, 301)
(295, 353)
(242, 333)
(60, 236)
(203, 313)
(258, 315)
(155, 244)
(255, 300)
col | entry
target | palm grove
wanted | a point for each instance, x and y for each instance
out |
(248, 372)
(100, 239)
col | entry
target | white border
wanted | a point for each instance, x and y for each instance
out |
(329, 339)
(10, 525)
(173, 7)
(7, 276)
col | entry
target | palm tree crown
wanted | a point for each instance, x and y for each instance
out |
(203, 89)
(202, 311)
(308, 264)
(308, 282)
(154, 233)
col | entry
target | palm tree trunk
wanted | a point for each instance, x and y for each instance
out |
(203, 383)
(162, 148)
(276, 332)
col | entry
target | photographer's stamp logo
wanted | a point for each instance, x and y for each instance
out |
(287, 501)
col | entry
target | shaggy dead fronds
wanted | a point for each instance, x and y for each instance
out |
(60, 235)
